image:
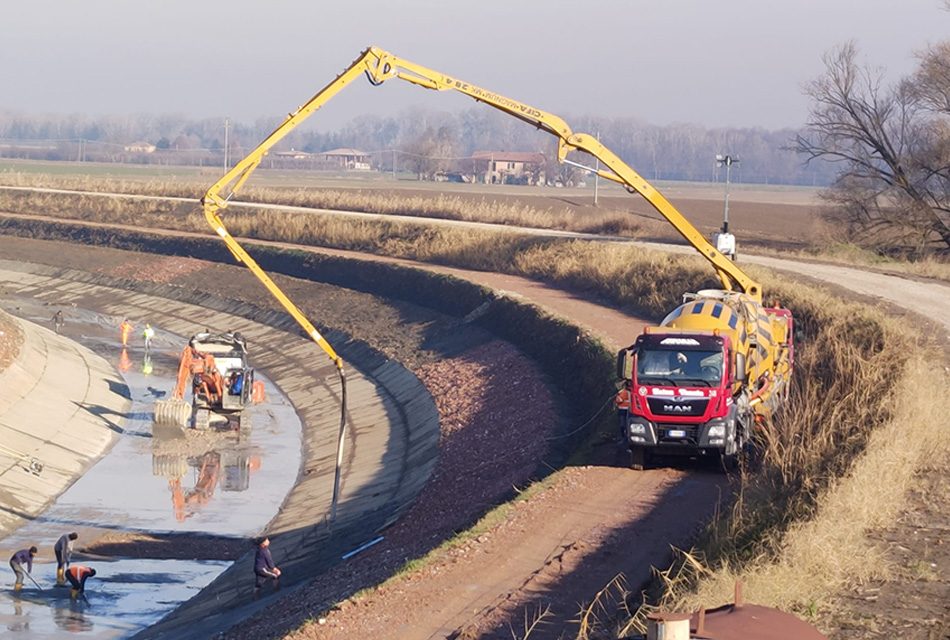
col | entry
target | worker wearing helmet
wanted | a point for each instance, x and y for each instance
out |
(64, 552)
(20, 558)
(77, 576)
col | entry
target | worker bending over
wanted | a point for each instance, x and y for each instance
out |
(20, 558)
(264, 567)
(64, 551)
(77, 576)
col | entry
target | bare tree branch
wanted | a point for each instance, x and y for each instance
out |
(893, 145)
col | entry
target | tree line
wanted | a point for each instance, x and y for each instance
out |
(427, 141)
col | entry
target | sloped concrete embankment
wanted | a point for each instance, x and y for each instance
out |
(62, 406)
(393, 424)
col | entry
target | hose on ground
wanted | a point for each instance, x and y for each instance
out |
(596, 415)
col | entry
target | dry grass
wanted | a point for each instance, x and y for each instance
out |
(11, 339)
(610, 271)
(437, 205)
(853, 256)
(499, 210)
(829, 552)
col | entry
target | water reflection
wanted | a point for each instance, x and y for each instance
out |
(125, 362)
(196, 468)
(72, 618)
(20, 621)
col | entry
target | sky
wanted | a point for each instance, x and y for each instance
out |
(732, 63)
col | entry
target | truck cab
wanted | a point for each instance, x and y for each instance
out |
(681, 395)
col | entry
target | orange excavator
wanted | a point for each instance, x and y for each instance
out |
(222, 383)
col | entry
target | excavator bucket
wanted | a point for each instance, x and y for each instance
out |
(174, 411)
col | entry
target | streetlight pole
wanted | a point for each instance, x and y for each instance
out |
(727, 161)
(725, 241)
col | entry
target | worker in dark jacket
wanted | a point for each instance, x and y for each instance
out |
(77, 576)
(20, 558)
(264, 567)
(64, 551)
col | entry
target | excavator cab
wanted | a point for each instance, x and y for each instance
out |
(222, 383)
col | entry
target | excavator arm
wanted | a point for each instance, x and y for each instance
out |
(379, 66)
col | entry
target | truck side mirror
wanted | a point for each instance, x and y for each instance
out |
(741, 374)
(625, 364)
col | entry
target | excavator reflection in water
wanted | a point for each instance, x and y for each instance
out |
(223, 464)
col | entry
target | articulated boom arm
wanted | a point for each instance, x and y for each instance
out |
(379, 66)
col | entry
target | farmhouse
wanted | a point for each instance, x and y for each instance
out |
(293, 154)
(348, 158)
(140, 147)
(508, 167)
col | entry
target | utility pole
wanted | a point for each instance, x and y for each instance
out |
(597, 175)
(227, 159)
(394, 165)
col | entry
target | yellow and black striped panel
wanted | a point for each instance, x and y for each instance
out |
(695, 314)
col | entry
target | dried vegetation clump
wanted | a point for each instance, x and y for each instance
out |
(11, 338)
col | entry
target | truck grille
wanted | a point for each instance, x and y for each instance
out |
(677, 406)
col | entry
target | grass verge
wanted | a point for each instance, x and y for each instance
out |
(498, 210)
(436, 205)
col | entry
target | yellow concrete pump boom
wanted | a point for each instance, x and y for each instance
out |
(379, 66)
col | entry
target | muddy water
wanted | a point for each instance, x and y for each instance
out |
(154, 479)
(125, 596)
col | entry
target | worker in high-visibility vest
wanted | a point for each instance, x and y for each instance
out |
(147, 335)
(77, 575)
(622, 401)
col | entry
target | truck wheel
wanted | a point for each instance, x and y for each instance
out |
(639, 458)
(730, 462)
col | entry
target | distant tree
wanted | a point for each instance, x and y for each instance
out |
(892, 145)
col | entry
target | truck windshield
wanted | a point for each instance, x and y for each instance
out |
(672, 367)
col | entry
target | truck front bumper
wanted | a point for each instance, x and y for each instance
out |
(680, 438)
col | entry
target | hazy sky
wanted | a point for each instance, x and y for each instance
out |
(711, 62)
